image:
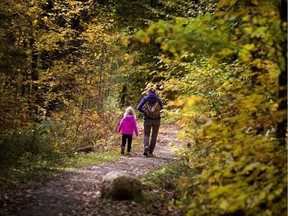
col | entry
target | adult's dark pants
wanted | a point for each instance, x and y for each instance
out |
(151, 128)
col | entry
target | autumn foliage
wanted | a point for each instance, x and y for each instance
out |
(58, 64)
(231, 96)
(69, 68)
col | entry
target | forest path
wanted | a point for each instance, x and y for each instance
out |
(78, 192)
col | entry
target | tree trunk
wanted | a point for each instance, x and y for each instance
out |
(34, 99)
(282, 79)
(123, 96)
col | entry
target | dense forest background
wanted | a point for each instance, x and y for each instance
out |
(69, 68)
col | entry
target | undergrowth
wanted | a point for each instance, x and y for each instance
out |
(33, 155)
(161, 186)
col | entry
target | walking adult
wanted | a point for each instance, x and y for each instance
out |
(150, 106)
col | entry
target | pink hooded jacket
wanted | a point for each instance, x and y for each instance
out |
(127, 125)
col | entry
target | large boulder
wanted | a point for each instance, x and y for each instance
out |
(120, 186)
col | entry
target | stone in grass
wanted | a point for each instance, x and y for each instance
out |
(120, 186)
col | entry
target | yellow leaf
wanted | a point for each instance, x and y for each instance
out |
(35, 22)
(164, 47)
(255, 2)
(181, 135)
(246, 18)
(251, 166)
(224, 204)
(233, 37)
(249, 47)
(226, 52)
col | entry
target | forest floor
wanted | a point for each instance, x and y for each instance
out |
(77, 192)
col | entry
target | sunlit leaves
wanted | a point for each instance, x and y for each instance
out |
(61, 58)
(142, 36)
(230, 112)
(203, 35)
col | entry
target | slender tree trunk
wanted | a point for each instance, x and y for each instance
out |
(123, 95)
(101, 81)
(282, 79)
(34, 94)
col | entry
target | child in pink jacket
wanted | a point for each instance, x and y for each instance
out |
(126, 127)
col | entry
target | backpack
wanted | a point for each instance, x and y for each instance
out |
(152, 107)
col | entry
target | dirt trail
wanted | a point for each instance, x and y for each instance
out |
(78, 192)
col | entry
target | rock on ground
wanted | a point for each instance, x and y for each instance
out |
(120, 186)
